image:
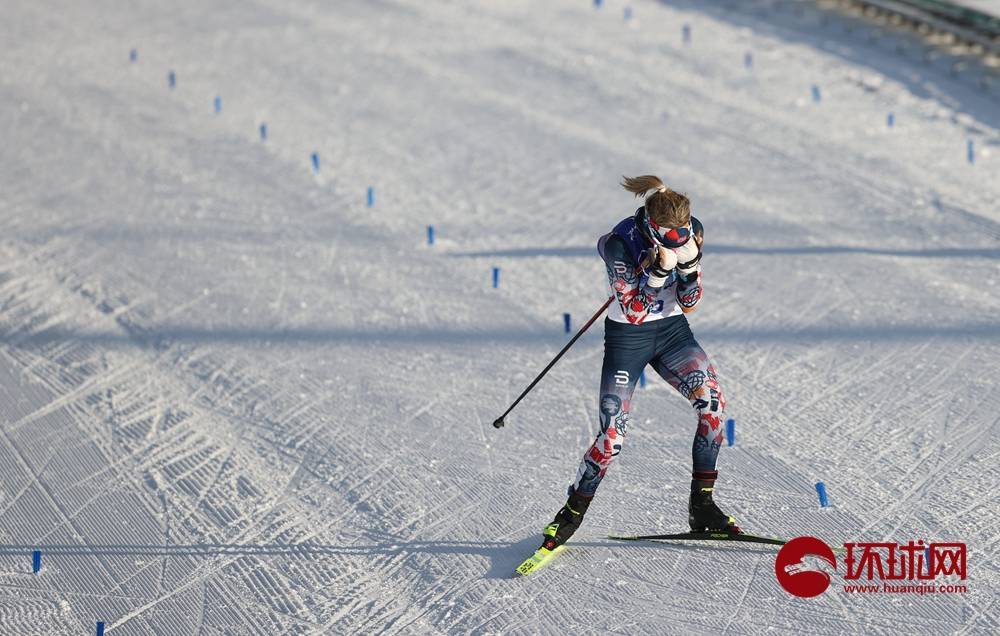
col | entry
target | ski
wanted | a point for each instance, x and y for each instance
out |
(702, 536)
(537, 560)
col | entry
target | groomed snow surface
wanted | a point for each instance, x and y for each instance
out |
(212, 354)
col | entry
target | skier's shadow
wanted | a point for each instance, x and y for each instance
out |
(503, 557)
(504, 560)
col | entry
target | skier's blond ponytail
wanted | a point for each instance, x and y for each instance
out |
(664, 206)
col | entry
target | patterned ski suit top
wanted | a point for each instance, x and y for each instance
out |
(623, 250)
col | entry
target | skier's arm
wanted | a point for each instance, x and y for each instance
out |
(689, 275)
(632, 288)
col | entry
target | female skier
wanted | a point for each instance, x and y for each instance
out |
(653, 260)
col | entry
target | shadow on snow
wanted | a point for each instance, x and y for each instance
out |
(725, 248)
(504, 556)
(162, 338)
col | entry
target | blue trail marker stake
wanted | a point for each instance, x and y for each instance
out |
(133, 55)
(566, 322)
(597, 4)
(315, 161)
(824, 501)
(371, 196)
(748, 59)
(218, 104)
(686, 33)
(971, 151)
(890, 120)
(496, 277)
(817, 96)
(730, 431)
(642, 377)
(430, 235)
(100, 628)
(263, 132)
(628, 13)
(36, 561)
(927, 558)
(171, 79)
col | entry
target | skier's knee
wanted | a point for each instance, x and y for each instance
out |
(708, 398)
(614, 416)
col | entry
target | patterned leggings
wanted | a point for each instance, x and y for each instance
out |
(669, 346)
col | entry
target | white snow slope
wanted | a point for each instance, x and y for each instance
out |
(210, 354)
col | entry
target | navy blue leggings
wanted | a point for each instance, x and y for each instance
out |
(669, 346)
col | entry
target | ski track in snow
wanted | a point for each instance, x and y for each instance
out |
(209, 354)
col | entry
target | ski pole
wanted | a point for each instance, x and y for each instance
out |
(499, 421)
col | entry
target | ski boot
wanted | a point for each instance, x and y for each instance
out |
(703, 514)
(567, 520)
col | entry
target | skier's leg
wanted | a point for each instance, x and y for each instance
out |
(627, 349)
(623, 363)
(687, 368)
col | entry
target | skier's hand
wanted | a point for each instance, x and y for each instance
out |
(667, 259)
(687, 256)
(658, 257)
(662, 261)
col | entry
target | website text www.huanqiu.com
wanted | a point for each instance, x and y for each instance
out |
(888, 588)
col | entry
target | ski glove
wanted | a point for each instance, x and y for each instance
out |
(665, 261)
(688, 256)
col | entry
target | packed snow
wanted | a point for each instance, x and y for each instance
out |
(237, 399)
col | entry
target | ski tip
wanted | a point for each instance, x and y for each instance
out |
(525, 568)
(535, 562)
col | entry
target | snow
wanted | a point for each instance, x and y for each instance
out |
(989, 7)
(234, 399)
